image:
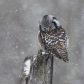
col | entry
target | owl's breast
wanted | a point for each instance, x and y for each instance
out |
(49, 39)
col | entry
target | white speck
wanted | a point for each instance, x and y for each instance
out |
(76, 64)
(30, 44)
(16, 46)
(34, 57)
(25, 38)
(43, 53)
(27, 67)
(16, 10)
(22, 52)
(19, 76)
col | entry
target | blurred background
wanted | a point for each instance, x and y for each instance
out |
(18, 37)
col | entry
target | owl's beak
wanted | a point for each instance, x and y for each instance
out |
(48, 30)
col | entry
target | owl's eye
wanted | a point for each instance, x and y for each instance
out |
(50, 26)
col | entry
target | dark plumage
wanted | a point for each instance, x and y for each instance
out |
(52, 37)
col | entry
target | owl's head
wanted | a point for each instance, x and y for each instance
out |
(48, 23)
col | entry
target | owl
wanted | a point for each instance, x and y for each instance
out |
(52, 37)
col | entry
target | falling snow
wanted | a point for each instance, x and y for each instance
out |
(16, 46)
(18, 37)
(22, 52)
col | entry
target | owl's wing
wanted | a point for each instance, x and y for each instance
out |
(61, 46)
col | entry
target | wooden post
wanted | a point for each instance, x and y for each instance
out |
(41, 69)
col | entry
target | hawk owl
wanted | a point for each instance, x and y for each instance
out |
(52, 37)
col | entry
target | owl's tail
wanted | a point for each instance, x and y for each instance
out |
(61, 55)
(65, 57)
